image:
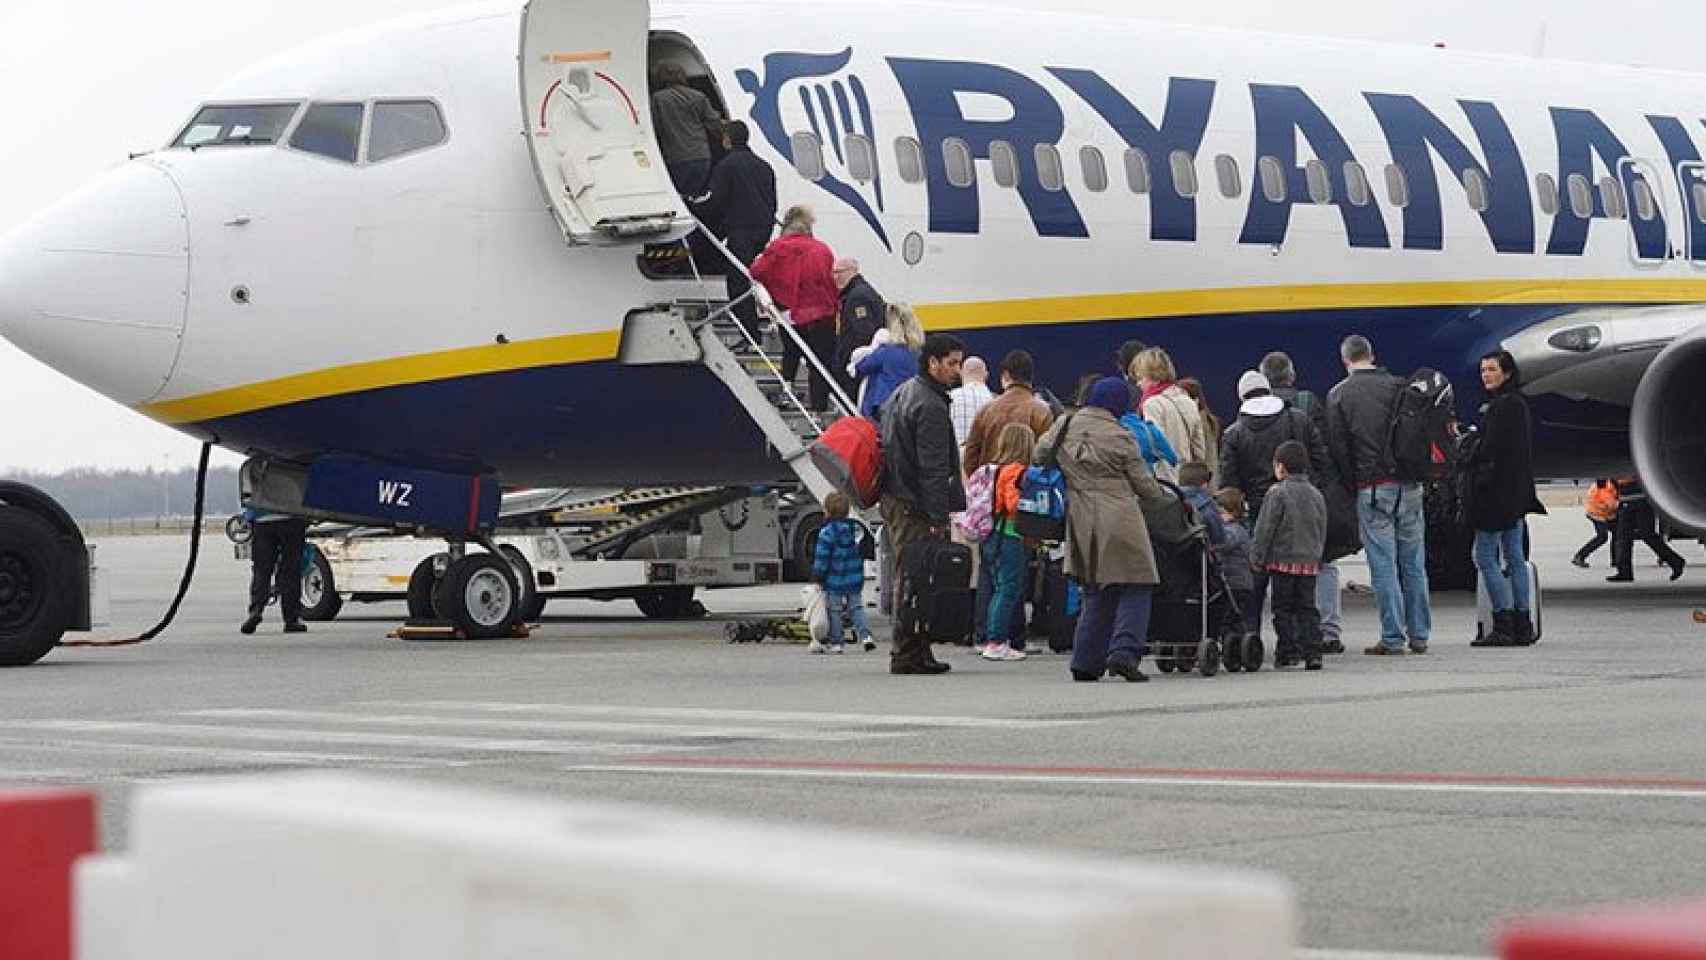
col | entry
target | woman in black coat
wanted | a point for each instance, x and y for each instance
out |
(1501, 496)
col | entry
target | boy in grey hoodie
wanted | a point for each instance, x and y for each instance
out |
(1290, 538)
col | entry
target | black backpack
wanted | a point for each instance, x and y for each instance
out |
(1423, 449)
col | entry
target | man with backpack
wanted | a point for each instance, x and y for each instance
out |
(1369, 432)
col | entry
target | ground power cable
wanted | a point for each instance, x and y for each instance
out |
(189, 568)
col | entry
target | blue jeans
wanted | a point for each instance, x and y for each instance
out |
(845, 607)
(1329, 599)
(1001, 582)
(1394, 534)
(986, 569)
(1504, 569)
(1114, 622)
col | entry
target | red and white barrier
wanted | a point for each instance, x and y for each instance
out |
(1674, 931)
(331, 866)
(42, 833)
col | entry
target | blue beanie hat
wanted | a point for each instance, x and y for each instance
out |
(1111, 394)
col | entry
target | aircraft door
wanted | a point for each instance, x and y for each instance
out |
(589, 125)
(1692, 179)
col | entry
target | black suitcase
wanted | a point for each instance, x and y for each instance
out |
(936, 597)
(1058, 599)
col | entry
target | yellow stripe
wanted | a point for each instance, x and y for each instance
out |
(603, 345)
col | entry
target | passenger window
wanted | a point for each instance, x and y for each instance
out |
(1095, 169)
(1320, 185)
(1700, 202)
(1611, 197)
(861, 158)
(1049, 172)
(1475, 185)
(1581, 196)
(1184, 170)
(1226, 171)
(1273, 179)
(1646, 207)
(1356, 185)
(1397, 187)
(808, 155)
(1546, 190)
(909, 158)
(237, 125)
(956, 158)
(403, 126)
(1137, 170)
(330, 130)
(1005, 162)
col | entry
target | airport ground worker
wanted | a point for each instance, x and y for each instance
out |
(799, 271)
(1636, 520)
(275, 548)
(861, 314)
(1601, 507)
(740, 206)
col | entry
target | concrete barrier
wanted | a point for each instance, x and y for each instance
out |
(1674, 931)
(332, 866)
(42, 833)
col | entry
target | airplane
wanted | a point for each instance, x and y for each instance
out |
(417, 253)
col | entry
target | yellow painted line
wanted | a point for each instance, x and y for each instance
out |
(603, 345)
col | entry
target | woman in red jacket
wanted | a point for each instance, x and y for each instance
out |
(798, 270)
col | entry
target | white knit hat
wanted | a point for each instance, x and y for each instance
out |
(1257, 395)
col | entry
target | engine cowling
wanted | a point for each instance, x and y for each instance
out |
(1667, 432)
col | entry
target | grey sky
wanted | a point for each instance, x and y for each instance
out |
(82, 85)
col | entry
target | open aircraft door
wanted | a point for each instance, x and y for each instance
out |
(588, 121)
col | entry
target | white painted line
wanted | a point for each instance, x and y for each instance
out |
(307, 735)
(1376, 955)
(685, 731)
(229, 754)
(804, 773)
(737, 716)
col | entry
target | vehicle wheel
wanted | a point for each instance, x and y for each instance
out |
(532, 604)
(1208, 657)
(422, 584)
(320, 600)
(1253, 653)
(669, 603)
(1165, 664)
(36, 588)
(479, 596)
(799, 566)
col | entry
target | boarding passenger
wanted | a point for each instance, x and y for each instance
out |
(891, 360)
(838, 566)
(740, 206)
(686, 123)
(275, 547)
(1601, 507)
(1637, 521)
(1167, 406)
(1234, 557)
(1213, 429)
(1123, 357)
(921, 477)
(861, 314)
(1290, 536)
(1359, 430)
(970, 397)
(1001, 577)
(1107, 539)
(799, 271)
(1501, 496)
(1329, 596)
(1018, 403)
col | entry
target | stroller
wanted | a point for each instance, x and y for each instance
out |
(1194, 614)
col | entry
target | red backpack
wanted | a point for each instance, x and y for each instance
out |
(850, 455)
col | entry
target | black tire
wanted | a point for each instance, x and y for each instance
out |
(1165, 664)
(320, 599)
(532, 604)
(1208, 658)
(480, 597)
(798, 569)
(37, 587)
(422, 583)
(669, 603)
(1254, 653)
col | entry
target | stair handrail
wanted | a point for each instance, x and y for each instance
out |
(758, 350)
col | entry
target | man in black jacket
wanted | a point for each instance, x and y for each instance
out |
(860, 316)
(740, 206)
(921, 477)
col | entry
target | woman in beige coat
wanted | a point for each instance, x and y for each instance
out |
(1168, 406)
(1107, 540)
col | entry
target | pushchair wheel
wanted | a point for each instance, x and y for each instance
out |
(1253, 653)
(1165, 664)
(1208, 658)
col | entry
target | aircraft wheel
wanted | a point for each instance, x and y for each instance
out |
(479, 596)
(422, 584)
(320, 600)
(36, 588)
(532, 604)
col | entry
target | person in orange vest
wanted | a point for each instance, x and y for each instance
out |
(1601, 506)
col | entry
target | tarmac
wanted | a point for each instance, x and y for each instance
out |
(1414, 803)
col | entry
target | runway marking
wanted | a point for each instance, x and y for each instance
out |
(543, 726)
(1163, 777)
(1375, 955)
(232, 754)
(374, 738)
(748, 716)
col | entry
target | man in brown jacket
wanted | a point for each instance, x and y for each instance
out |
(1018, 403)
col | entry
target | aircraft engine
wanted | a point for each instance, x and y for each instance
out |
(1667, 431)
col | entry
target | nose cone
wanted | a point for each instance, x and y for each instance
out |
(96, 287)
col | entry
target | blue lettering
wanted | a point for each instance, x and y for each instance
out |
(1581, 136)
(1415, 134)
(1282, 112)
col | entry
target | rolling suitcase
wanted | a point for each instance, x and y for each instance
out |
(936, 597)
(1484, 607)
(1058, 601)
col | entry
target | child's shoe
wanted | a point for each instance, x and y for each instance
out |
(870, 644)
(1010, 655)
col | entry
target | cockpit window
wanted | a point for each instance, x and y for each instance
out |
(237, 125)
(403, 126)
(330, 130)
